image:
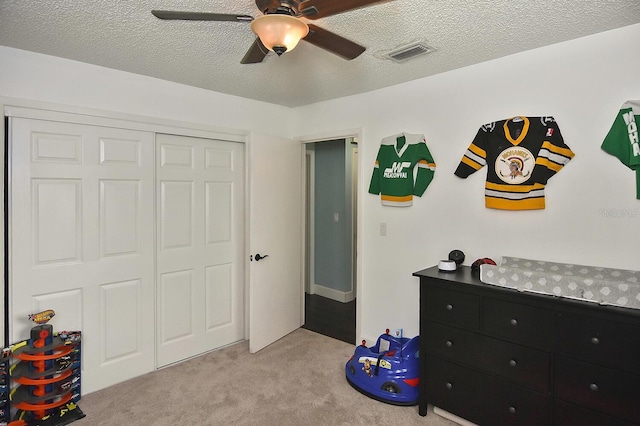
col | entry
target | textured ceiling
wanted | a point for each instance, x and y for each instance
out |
(124, 35)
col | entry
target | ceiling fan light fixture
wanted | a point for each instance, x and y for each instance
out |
(279, 33)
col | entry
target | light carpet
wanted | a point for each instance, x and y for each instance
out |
(298, 380)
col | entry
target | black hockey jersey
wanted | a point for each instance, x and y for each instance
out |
(522, 153)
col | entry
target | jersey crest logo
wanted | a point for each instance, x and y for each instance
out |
(514, 165)
(549, 132)
(397, 170)
(489, 127)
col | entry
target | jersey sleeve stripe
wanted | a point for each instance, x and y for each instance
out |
(477, 150)
(469, 162)
(481, 161)
(476, 154)
(426, 165)
(551, 156)
(564, 152)
(549, 164)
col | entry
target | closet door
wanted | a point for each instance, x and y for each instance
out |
(200, 270)
(81, 212)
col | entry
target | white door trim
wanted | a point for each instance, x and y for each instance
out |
(310, 181)
(43, 111)
(357, 133)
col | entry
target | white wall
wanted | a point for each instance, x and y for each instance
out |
(592, 216)
(31, 76)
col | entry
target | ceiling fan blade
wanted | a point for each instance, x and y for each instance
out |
(256, 53)
(199, 16)
(316, 9)
(333, 43)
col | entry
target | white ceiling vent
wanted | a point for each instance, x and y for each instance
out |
(405, 52)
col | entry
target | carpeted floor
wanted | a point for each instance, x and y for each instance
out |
(299, 380)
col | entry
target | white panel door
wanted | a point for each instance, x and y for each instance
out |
(82, 241)
(276, 230)
(200, 270)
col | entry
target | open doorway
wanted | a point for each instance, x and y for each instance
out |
(330, 264)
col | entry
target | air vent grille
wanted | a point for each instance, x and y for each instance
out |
(405, 52)
(409, 53)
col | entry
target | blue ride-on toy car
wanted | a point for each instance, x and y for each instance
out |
(387, 371)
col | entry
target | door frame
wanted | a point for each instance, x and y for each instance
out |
(309, 221)
(358, 134)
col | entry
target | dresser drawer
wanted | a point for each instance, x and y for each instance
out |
(453, 307)
(451, 388)
(612, 344)
(519, 323)
(520, 364)
(570, 414)
(514, 405)
(483, 399)
(598, 388)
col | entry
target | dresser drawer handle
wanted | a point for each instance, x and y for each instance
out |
(513, 322)
(449, 343)
(595, 340)
(593, 387)
(449, 385)
(512, 410)
(449, 307)
(512, 363)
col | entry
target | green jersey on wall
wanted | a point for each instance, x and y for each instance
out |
(622, 139)
(393, 174)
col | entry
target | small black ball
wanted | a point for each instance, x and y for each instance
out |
(457, 256)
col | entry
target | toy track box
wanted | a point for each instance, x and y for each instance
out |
(40, 379)
(387, 371)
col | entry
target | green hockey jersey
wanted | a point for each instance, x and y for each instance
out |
(522, 154)
(393, 174)
(622, 139)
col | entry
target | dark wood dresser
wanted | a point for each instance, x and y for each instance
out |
(497, 356)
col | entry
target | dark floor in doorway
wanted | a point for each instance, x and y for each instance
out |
(331, 318)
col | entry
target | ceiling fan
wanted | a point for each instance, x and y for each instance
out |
(279, 28)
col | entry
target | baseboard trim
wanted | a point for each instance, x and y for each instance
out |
(331, 293)
(447, 415)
